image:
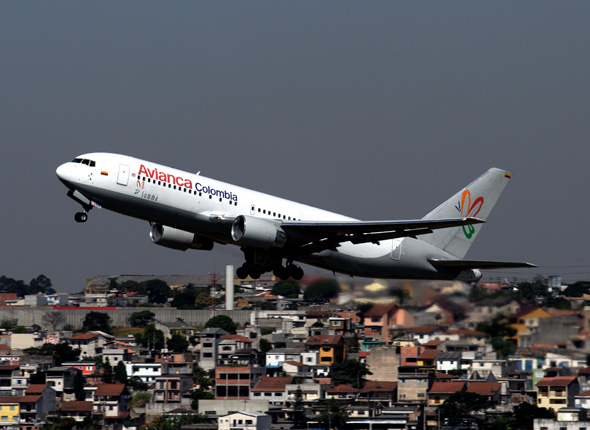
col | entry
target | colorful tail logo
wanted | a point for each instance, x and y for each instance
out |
(468, 209)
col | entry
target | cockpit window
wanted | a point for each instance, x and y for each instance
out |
(90, 163)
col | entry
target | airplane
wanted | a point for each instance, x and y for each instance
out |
(190, 211)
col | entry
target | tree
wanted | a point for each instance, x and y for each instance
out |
(150, 338)
(459, 407)
(40, 284)
(224, 322)
(529, 291)
(158, 291)
(60, 352)
(350, 372)
(121, 373)
(97, 321)
(521, 418)
(322, 290)
(299, 419)
(164, 422)
(8, 323)
(289, 289)
(577, 289)
(178, 343)
(53, 319)
(141, 318)
(264, 347)
(498, 330)
(401, 294)
(334, 416)
(185, 298)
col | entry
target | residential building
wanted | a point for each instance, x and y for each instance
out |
(77, 410)
(272, 389)
(38, 401)
(170, 388)
(245, 421)
(110, 402)
(382, 392)
(382, 317)
(332, 348)
(276, 357)
(90, 344)
(413, 384)
(62, 380)
(9, 411)
(235, 383)
(441, 391)
(557, 392)
(147, 372)
(210, 339)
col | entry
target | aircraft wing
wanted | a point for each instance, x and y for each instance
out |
(317, 236)
(477, 264)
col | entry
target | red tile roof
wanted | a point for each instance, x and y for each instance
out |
(446, 387)
(271, 383)
(379, 310)
(342, 389)
(109, 389)
(563, 381)
(428, 354)
(484, 388)
(35, 389)
(384, 386)
(294, 363)
(329, 339)
(85, 336)
(236, 337)
(76, 406)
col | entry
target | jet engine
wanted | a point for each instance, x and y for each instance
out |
(258, 233)
(170, 237)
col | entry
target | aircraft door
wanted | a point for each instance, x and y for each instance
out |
(123, 178)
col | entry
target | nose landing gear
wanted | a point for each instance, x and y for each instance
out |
(81, 216)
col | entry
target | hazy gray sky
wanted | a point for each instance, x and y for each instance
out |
(378, 110)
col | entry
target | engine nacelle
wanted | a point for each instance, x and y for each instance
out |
(178, 239)
(258, 233)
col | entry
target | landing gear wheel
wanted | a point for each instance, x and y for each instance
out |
(242, 272)
(281, 272)
(81, 217)
(295, 271)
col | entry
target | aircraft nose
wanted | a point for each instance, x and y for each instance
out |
(63, 172)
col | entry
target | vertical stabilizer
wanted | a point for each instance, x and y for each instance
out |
(475, 200)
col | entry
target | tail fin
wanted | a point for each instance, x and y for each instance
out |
(475, 200)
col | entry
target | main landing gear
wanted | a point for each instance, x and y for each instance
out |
(284, 273)
(259, 262)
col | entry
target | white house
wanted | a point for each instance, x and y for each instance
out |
(244, 421)
(147, 372)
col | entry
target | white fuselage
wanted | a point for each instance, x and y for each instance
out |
(197, 204)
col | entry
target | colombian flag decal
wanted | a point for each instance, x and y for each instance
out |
(507, 175)
(104, 173)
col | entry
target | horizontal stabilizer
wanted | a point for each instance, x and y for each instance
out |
(478, 264)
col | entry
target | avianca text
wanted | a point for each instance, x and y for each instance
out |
(187, 183)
